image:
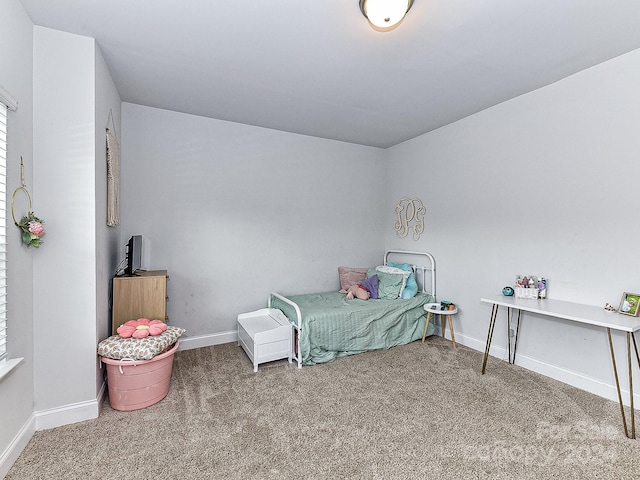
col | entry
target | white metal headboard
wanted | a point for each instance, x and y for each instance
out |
(420, 262)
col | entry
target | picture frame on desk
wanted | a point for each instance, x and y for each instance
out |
(629, 304)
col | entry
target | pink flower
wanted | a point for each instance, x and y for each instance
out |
(36, 228)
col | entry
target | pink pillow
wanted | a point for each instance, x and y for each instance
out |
(350, 276)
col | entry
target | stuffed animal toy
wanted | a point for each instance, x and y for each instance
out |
(358, 291)
(140, 328)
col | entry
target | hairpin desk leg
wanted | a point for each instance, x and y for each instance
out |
(630, 336)
(492, 324)
(513, 339)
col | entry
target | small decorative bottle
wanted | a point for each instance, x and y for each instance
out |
(542, 287)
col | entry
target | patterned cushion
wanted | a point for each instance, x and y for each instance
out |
(146, 348)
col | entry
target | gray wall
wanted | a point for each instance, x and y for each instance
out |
(64, 267)
(543, 184)
(234, 211)
(16, 76)
(73, 93)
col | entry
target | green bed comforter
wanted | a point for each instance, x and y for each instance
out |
(333, 326)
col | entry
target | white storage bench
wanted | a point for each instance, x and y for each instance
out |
(265, 335)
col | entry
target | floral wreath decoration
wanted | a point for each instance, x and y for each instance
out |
(30, 225)
(141, 328)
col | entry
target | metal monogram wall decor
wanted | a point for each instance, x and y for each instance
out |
(410, 217)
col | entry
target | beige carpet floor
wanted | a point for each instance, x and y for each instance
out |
(411, 412)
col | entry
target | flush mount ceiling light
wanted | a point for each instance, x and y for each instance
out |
(385, 15)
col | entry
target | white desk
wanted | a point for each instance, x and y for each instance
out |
(585, 314)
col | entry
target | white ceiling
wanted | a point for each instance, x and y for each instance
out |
(317, 68)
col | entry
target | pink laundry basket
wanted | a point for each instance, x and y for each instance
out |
(136, 384)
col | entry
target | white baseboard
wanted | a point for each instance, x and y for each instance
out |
(101, 394)
(67, 414)
(187, 343)
(564, 375)
(17, 445)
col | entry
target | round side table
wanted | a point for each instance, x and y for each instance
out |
(434, 308)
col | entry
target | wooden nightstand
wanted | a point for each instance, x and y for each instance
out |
(140, 295)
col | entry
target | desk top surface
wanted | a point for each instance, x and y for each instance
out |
(576, 312)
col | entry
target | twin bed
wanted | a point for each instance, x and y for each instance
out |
(328, 325)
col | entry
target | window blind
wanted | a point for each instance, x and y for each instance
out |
(3, 231)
